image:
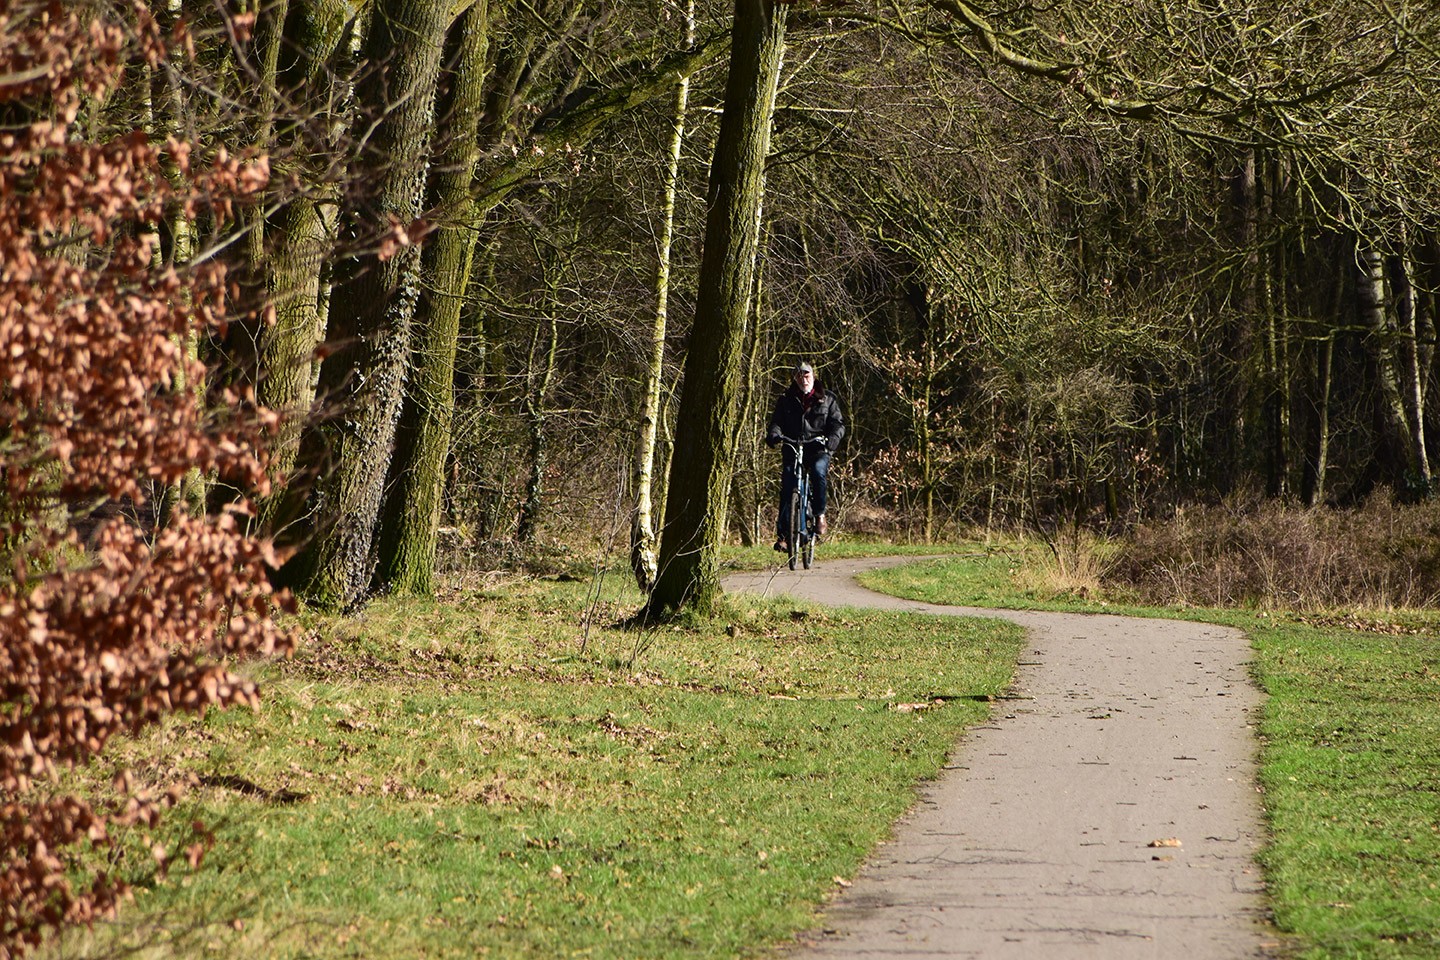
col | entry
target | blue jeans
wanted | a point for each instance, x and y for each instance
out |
(819, 466)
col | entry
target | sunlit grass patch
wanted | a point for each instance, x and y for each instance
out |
(1352, 787)
(486, 774)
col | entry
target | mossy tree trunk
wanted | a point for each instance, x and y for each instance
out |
(695, 500)
(291, 244)
(373, 301)
(410, 521)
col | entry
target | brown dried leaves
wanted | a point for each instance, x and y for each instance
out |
(111, 638)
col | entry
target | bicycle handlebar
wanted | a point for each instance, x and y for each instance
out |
(792, 440)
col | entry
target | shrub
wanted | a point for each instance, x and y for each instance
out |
(1247, 552)
(110, 635)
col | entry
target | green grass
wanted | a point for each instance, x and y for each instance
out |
(1351, 771)
(1350, 756)
(482, 775)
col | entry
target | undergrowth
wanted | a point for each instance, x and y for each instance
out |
(1260, 553)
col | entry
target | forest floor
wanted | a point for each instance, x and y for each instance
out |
(1108, 809)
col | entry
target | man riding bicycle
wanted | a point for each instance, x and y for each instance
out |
(805, 412)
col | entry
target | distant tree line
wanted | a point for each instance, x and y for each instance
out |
(1079, 264)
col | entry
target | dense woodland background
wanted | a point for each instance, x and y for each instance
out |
(1068, 264)
(1063, 264)
(407, 284)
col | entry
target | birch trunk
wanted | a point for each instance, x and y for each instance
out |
(644, 542)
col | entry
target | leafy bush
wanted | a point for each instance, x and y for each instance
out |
(109, 635)
(1248, 552)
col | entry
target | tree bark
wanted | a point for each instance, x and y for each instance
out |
(644, 542)
(1397, 440)
(695, 503)
(541, 377)
(291, 246)
(373, 302)
(410, 521)
(1408, 363)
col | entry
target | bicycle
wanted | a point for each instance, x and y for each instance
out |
(802, 515)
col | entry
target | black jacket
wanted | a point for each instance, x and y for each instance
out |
(822, 419)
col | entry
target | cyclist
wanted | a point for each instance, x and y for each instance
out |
(804, 412)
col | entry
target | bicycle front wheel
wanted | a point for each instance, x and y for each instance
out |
(797, 527)
(807, 545)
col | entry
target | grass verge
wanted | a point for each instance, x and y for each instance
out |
(482, 775)
(1350, 756)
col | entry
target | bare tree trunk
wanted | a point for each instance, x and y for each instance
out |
(1277, 350)
(924, 435)
(1324, 366)
(291, 247)
(695, 505)
(1375, 314)
(535, 413)
(373, 304)
(1408, 364)
(644, 542)
(745, 486)
(410, 522)
(164, 107)
(1234, 453)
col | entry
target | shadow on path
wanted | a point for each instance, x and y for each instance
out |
(1108, 809)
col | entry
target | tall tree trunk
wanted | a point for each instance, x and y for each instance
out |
(747, 439)
(1408, 363)
(1235, 429)
(410, 522)
(1427, 317)
(373, 302)
(1375, 315)
(300, 238)
(695, 502)
(1313, 489)
(165, 110)
(1270, 278)
(925, 437)
(644, 543)
(540, 382)
(298, 44)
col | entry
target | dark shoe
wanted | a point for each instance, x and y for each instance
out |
(823, 527)
(782, 546)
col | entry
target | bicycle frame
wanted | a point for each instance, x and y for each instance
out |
(802, 534)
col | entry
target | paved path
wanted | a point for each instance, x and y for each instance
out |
(1037, 840)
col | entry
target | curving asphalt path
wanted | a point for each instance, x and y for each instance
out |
(1052, 832)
